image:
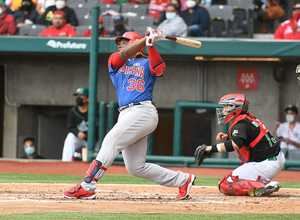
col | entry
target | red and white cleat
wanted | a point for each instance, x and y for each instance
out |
(78, 192)
(185, 189)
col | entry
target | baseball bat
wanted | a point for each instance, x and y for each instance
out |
(185, 41)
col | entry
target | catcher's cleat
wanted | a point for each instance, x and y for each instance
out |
(184, 191)
(267, 190)
(78, 192)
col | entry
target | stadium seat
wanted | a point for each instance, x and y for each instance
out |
(218, 28)
(245, 4)
(140, 24)
(139, 10)
(224, 12)
(240, 26)
(108, 7)
(83, 14)
(31, 30)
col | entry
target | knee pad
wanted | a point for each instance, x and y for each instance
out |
(95, 172)
(233, 186)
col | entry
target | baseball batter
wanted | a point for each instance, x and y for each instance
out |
(133, 76)
(257, 149)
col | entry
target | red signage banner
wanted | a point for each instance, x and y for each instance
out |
(247, 79)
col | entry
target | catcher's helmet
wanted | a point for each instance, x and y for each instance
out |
(232, 105)
(129, 35)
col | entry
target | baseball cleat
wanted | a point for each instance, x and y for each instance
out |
(269, 188)
(185, 189)
(78, 192)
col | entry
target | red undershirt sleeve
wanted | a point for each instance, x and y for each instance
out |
(115, 60)
(157, 64)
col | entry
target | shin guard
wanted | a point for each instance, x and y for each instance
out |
(233, 186)
(95, 172)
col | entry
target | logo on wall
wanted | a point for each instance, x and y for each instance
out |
(66, 45)
(298, 71)
(247, 79)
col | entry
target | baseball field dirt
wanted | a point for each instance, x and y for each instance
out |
(132, 198)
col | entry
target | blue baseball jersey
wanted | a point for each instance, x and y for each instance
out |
(133, 81)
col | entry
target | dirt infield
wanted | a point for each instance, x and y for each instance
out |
(115, 198)
(33, 198)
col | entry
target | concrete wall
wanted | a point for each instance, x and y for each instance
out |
(50, 80)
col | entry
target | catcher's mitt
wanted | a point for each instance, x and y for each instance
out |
(200, 154)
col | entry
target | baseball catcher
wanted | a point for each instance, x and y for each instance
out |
(255, 146)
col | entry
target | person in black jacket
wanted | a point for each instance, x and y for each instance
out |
(26, 14)
(71, 18)
(197, 19)
(77, 124)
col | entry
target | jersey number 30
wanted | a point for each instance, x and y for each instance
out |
(136, 84)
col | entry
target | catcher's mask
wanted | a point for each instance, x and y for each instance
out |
(232, 105)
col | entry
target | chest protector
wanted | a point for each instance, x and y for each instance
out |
(244, 152)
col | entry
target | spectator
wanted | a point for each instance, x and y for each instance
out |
(61, 5)
(290, 29)
(156, 7)
(102, 31)
(77, 125)
(43, 4)
(59, 28)
(289, 131)
(14, 5)
(268, 14)
(26, 14)
(197, 18)
(7, 22)
(119, 26)
(173, 24)
(29, 148)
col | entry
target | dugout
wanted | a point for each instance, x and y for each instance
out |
(39, 76)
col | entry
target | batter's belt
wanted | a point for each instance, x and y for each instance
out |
(133, 104)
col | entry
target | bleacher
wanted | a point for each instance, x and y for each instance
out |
(236, 19)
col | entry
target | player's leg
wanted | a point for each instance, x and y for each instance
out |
(134, 158)
(253, 178)
(133, 124)
(71, 143)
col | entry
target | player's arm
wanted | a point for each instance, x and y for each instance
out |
(118, 59)
(239, 139)
(157, 64)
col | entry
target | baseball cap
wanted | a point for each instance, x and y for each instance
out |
(292, 108)
(81, 91)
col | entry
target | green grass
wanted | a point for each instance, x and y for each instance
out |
(119, 179)
(82, 216)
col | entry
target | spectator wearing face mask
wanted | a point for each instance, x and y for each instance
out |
(30, 151)
(26, 14)
(197, 18)
(7, 22)
(290, 29)
(59, 27)
(60, 5)
(173, 24)
(289, 131)
(14, 5)
(77, 125)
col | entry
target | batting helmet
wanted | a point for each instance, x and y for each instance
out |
(235, 104)
(130, 35)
